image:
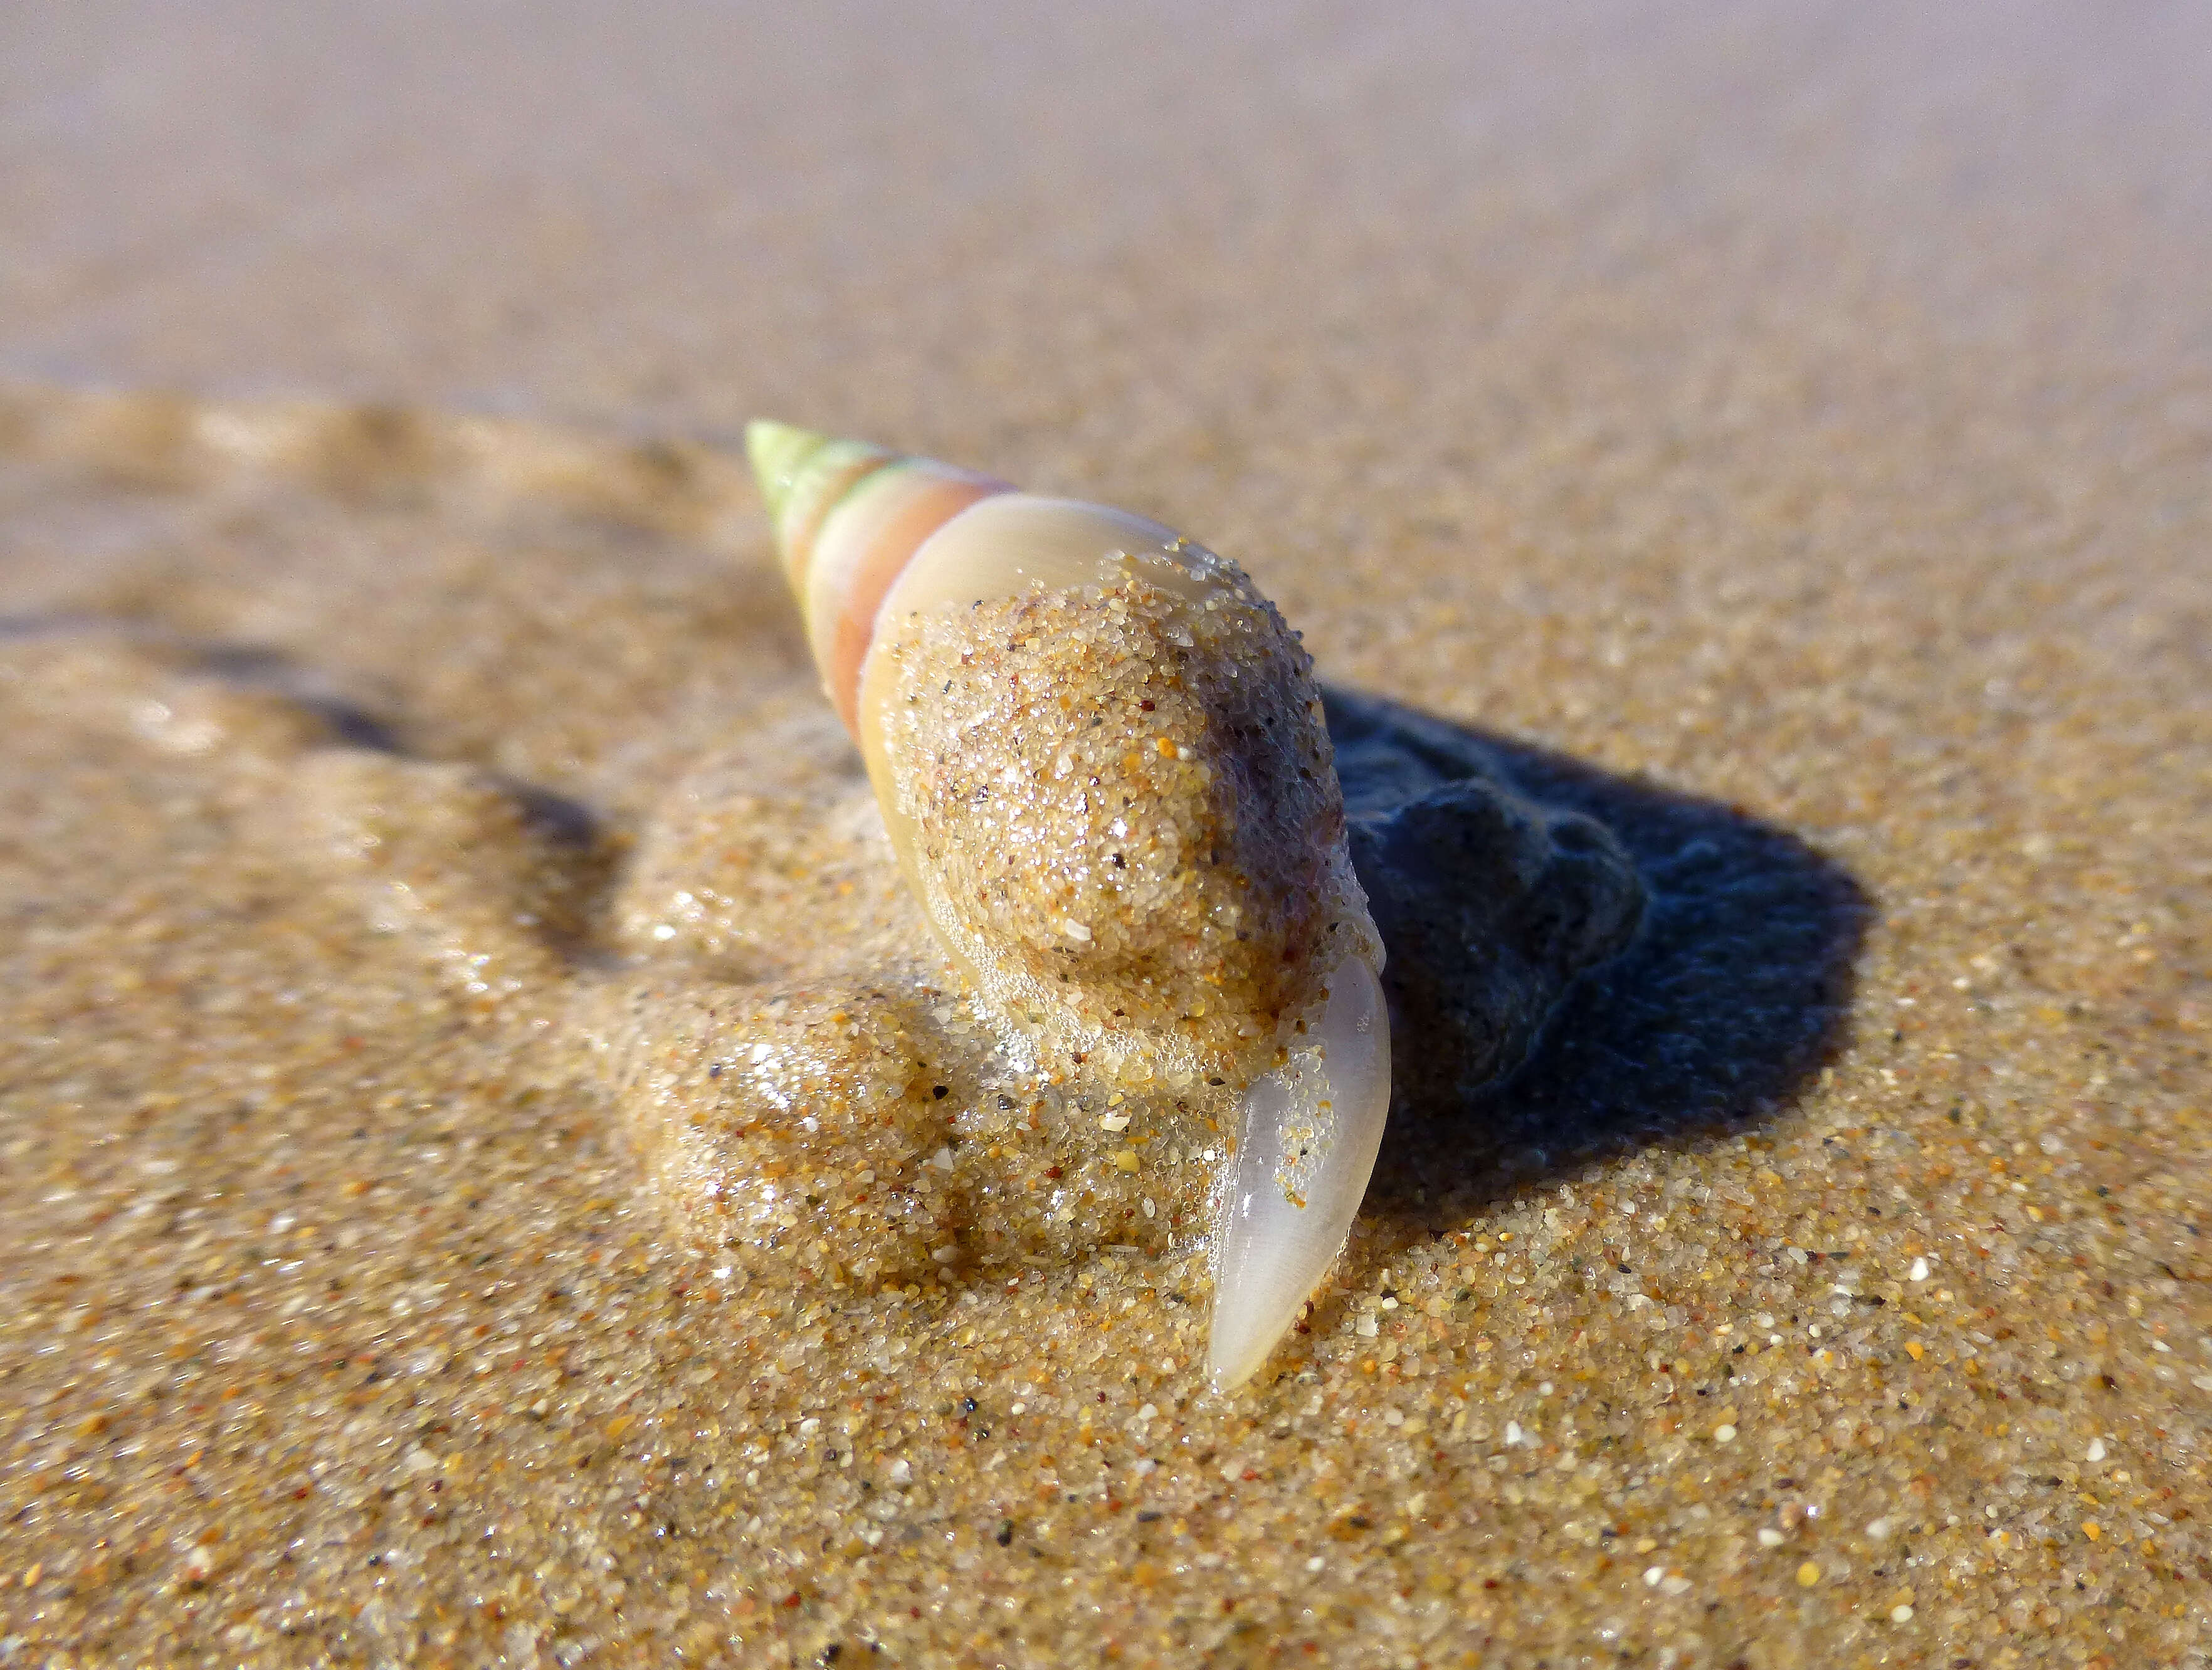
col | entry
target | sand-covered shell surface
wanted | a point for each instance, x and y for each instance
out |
(1100, 757)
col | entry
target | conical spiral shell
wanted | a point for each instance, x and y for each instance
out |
(1101, 761)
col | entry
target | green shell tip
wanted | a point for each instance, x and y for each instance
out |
(779, 453)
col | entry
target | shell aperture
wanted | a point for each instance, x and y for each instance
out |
(1311, 1129)
(1100, 757)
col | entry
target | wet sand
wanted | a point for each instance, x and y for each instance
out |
(1785, 436)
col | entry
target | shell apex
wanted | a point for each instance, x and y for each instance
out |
(779, 454)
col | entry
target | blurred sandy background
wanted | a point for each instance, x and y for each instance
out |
(1803, 409)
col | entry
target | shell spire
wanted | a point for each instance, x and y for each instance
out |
(1100, 758)
(849, 517)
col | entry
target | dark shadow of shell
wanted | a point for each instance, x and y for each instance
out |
(1734, 991)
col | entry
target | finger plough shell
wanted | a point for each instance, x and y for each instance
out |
(1100, 757)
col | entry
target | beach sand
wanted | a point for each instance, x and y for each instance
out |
(1785, 435)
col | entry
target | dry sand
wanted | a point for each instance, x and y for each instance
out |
(1787, 432)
